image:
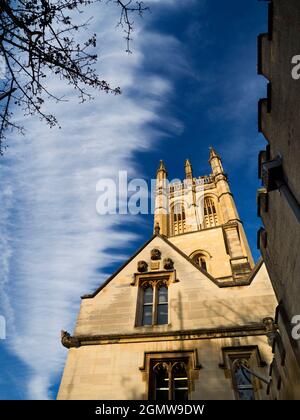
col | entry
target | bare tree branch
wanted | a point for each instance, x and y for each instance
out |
(38, 38)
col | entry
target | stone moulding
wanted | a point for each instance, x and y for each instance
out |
(171, 353)
(195, 334)
(156, 275)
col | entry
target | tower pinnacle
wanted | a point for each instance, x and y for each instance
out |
(161, 168)
(213, 153)
(161, 200)
(188, 169)
(215, 162)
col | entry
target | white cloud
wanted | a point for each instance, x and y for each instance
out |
(52, 242)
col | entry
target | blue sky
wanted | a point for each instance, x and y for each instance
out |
(190, 83)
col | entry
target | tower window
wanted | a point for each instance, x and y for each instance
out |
(200, 260)
(178, 219)
(210, 213)
(154, 302)
(169, 380)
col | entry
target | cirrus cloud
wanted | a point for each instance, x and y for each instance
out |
(53, 244)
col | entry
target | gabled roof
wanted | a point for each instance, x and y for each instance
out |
(244, 282)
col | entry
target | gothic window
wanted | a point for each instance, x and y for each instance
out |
(242, 380)
(178, 219)
(162, 304)
(161, 382)
(242, 365)
(180, 381)
(147, 306)
(169, 380)
(210, 213)
(154, 302)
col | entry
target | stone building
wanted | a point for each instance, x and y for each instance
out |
(279, 198)
(184, 317)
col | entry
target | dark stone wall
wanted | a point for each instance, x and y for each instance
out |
(279, 121)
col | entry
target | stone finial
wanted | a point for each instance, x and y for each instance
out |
(215, 162)
(213, 153)
(142, 266)
(162, 166)
(157, 229)
(188, 169)
(161, 172)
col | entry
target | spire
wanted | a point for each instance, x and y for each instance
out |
(161, 201)
(161, 166)
(188, 169)
(161, 171)
(213, 154)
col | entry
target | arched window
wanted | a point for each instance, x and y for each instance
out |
(178, 219)
(170, 380)
(180, 381)
(210, 213)
(154, 301)
(244, 365)
(200, 260)
(242, 380)
(161, 382)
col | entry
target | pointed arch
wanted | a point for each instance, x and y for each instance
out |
(210, 212)
(178, 218)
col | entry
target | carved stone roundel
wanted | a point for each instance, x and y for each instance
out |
(168, 264)
(142, 267)
(155, 254)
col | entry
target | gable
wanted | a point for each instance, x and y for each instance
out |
(140, 253)
(195, 301)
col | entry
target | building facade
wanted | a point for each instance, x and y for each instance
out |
(279, 197)
(185, 317)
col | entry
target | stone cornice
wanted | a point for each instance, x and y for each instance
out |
(194, 334)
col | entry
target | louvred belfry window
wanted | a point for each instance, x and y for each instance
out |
(178, 219)
(210, 213)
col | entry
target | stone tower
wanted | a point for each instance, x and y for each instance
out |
(200, 217)
(184, 318)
